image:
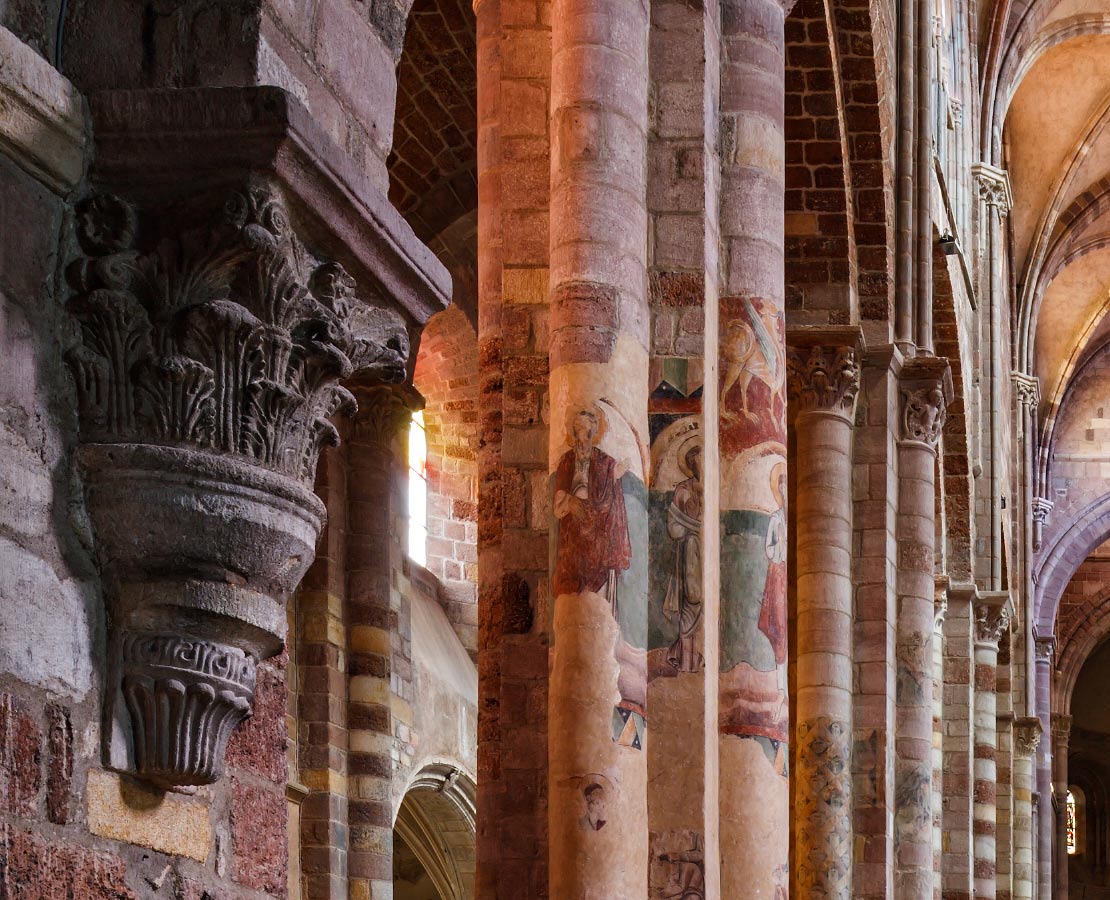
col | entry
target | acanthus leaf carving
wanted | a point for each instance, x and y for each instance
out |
(823, 378)
(212, 349)
(226, 336)
(992, 620)
(1027, 736)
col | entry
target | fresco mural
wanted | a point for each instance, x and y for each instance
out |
(675, 619)
(754, 700)
(600, 508)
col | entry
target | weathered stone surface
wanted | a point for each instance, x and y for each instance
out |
(258, 837)
(32, 867)
(124, 810)
(20, 757)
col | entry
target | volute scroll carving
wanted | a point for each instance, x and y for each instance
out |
(213, 347)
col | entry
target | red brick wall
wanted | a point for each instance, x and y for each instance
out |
(447, 376)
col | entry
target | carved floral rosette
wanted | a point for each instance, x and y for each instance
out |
(212, 349)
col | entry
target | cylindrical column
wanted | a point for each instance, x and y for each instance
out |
(992, 618)
(1046, 823)
(925, 387)
(753, 711)
(491, 376)
(824, 381)
(597, 811)
(940, 607)
(1061, 732)
(1027, 734)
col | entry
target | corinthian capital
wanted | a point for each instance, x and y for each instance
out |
(824, 378)
(1061, 730)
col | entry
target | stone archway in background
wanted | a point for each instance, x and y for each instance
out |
(434, 837)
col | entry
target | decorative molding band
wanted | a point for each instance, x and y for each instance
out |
(44, 125)
(823, 378)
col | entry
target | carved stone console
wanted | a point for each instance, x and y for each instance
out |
(214, 341)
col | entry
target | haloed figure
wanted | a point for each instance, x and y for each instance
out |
(684, 590)
(594, 547)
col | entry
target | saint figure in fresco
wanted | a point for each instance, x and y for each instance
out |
(684, 590)
(750, 350)
(593, 546)
(687, 877)
(772, 615)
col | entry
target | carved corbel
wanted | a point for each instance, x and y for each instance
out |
(212, 349)
(1042, 506)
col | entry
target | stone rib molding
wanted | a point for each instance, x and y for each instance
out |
(213, 346)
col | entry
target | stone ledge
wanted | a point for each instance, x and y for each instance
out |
(124, 810)
(159, 140)
(43, 120)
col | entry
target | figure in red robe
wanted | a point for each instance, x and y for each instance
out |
(593, 547)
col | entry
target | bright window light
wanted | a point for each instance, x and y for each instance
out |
(418, 490)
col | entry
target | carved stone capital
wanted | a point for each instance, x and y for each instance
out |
(925, 389)
(1061, 731)
(1041, 508)
(215, 345)
(993, 186)
(824, 378)
(1027, 389)
(992, 619)
(1027, 736)
(940, 611)
(1044, 648)
(383, 412)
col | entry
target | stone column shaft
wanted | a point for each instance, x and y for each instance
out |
(1061, 732)
(753, 711)
(1027, 734)
(824, 381)
(1046, 823)
(925, 388)
(992, 617)
(598, 383)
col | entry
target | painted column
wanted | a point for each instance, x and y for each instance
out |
(1061, 733)
(925, 389)
(1044, 648)
(599, 321)
(824, 382)
(753, 712)
(1027, 735)
(992, 619)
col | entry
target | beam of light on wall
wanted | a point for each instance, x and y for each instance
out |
(418, 490)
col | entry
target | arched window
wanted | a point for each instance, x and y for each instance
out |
(418, 490)
(1071, 824)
